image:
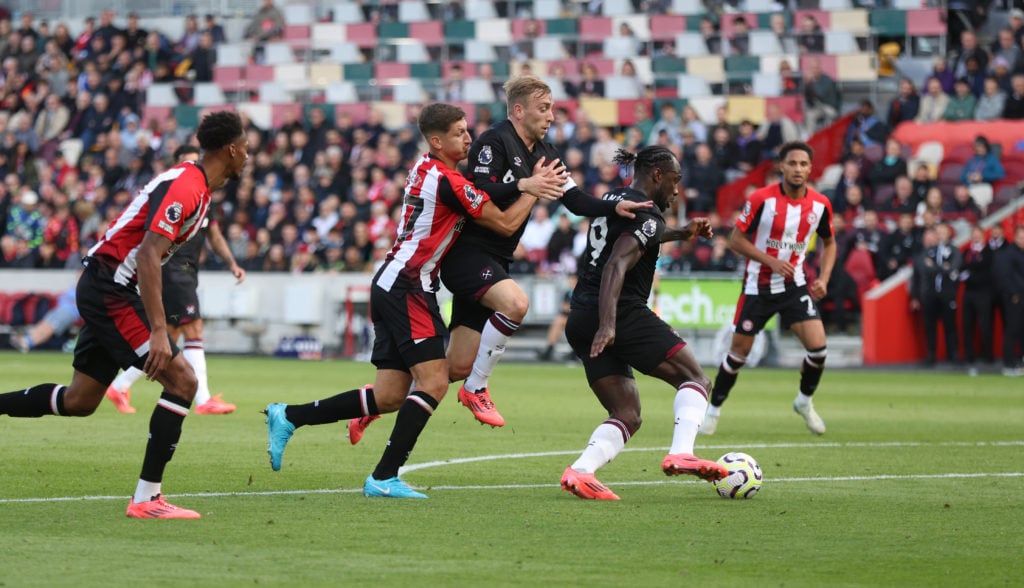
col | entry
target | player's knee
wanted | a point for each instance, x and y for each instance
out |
(78, 405)
(631, 419)
(185, 385)
(517, 307)
(459, 370)
(703, 381)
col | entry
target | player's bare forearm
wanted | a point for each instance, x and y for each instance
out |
(223, 250)
(151, 279)
(739, 243)
(625, 253)
(699, 227)
(828, 259)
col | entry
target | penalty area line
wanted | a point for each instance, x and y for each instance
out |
(477, 487)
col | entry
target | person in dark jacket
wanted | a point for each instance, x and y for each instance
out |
(977, 300)
(1008, 267)
(933, 290)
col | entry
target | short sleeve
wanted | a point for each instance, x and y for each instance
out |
(647, 229)
(824, 228)
(168, 211)
(461, 196)
(751, 212)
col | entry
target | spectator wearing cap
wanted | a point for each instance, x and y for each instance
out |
(24, 221)
(992, 102)
(961, 105)
(984, 166)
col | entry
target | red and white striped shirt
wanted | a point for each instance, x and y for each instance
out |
(172, 205)
(437, 201)
(781, 227)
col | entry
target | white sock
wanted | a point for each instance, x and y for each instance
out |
(803, 399)
(146, 491)
(714, 410)
(196, 357)
(493, 339)
(605, 443)
(125, 379)
(689, 406)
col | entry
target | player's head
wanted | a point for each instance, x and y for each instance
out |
(795, 163)
(530, 107)
(186, 153)
(222, 135)
(446, 131)
(656, 172)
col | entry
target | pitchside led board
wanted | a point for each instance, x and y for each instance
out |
(697, 303)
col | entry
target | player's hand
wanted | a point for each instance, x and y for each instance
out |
(547, 180)
(239, 273)
(625, 208)
(159, 356)
(699, 227)
(915, 305)
(604, 337)
(818, 289)
(781, 267)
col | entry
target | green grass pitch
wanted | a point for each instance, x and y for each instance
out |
(917, 483)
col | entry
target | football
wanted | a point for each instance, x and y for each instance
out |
(744, 479)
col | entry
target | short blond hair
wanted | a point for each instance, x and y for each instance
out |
(519, 89)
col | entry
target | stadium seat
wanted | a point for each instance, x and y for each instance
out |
(392, 30)
(766, 84)
(668, 65)
(480, 51)
(830, 177)
(761, 6)
(688, 7)
(950, 171)
(429, 33)
(229, 78)
(259, 113)
(358, 71)
(413, 11)
(299, 14)
(926, 23)
(478, 91)
(616, 7)
(548, 49)
(161, 95)
(411, 51)
(764, 43)
(861, 268)
(479, 9)
(459, 30)
(275, 93)
(931, 152)
(390, 71)
(562, 26)
(254, 74)
(690, 44)
(709, 67)
(906, 5)
(621, 88)
(364, 35)
(856, 67)
(409, 92)
(982, 194)
(833, 5)
(545, 9)
(840, 43)
(496, 31)
(1004, 195)
(639, 23)
(743, 108)
(348, 13)
(425, 71)
(208, 94)
(233, 53)
(691, 86)
(855, 21)
(557, 89)
(324, 35)
(620, 48)
(601, 112)
(341, 92)
(346, 52)
(959, 153)
(321, 74)
(278, 53)
(888, 23)
(595, 29)
(664, 27)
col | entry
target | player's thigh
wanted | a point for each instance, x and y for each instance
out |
(579, 331)
(181, 298)
(811, 333)
(508, 298)
(752, 313)
(680, 368)
(469, 274)
(644, 341)
(799, 313)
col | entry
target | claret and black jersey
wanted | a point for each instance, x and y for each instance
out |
(647, 228)
(497, 160)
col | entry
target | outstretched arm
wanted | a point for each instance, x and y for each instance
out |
(698, 227)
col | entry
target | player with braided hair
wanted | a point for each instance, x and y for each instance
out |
(613, 331)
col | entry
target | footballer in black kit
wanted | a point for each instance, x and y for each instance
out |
(480, 258)
(181, 281)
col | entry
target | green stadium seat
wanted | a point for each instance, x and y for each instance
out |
(890, 23)
(460, 29)
(393, 30)
(668, 65)
(742, 64)
(425, 71)
(501, 69)
(358, 71)
(562, 26)
(187, 115)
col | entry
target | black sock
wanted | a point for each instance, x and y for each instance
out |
(340, 407)
(34, 402)
(810, 372)
(726, 378)
(411, 419)
(164, 432)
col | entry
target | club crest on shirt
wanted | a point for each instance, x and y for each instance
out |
(812, 218)
(173, 212)
(486, 156)
(474, 198)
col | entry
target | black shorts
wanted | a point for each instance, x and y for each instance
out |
(642, 340)
(793, 306)
(116, 331)
(407, 328)
(181, 298)
(468, 274)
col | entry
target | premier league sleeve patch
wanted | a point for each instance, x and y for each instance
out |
(650, 227)
(173, 212)
(486, 156)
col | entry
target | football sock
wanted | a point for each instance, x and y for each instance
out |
(164, 432)
(811, 370)
(125, 379)
(146, 491)
(340, 407)
(689, 406)
(412, 418)
(493, 339)
(196, 357)
(726, 378)
(34, 402)
(605, 443)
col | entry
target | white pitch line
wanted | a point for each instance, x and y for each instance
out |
(432, 464)
(881, 477)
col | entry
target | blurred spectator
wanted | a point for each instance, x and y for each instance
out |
(25, 222)
(668, 123)
(932, 204)
(628, 72)
(977, 299)
(933, 103)
(903, 198)
(984, 166)
(215, 29)
(974, 77)
(871, 238)
(961, 105)
(451, 87)
(789, 80)
(901, 246)
(821, 97)
(202, 58)
(705, 177)
(851, 206)
(559, 248)
(776, 130)
(1008, 266)
(969, 48)
(891, 166)
(748, 147)
(725, 152)
(933, 290)
(992, 102)
(922, 181)
(740, 41)
(962, 205)
(1014, 108)
(905, 105)
(266, 24)
(1017, 24)
(810, 36)
(712, 38)
(942, 73)
(591, 85)
(691, 120)
(866, 126)
(851, 176)
(788, 43)
(522, 49)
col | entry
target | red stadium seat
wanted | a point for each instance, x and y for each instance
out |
(950, 171)
(390, 70)
(519, 27)
(595, 29)
(1014, 169)
(430, 33)
(828, 64)
(823, 17)
(364, 35)
(665, 27)
(861, 268)
(255, 74)
(926, 23)
(959, 153)
(1004, 194)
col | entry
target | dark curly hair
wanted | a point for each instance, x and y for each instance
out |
(648, 158)
(218, 129)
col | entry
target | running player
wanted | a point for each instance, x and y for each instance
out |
(773, 233)
(613, 330)
(119, 298)
(181, 302)
(409, 331)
